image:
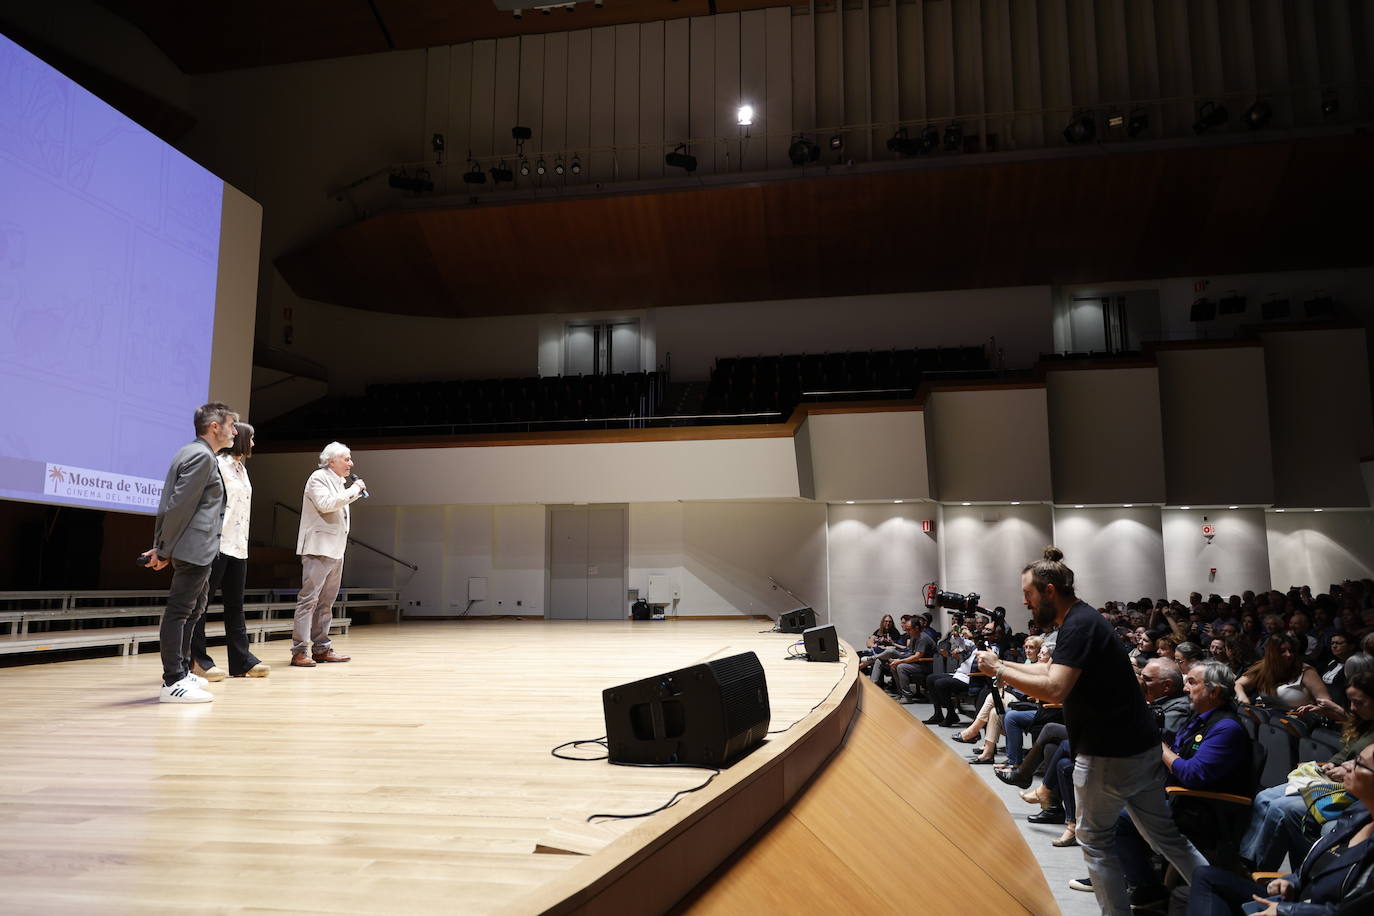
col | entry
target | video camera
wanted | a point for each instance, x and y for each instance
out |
(962, 605)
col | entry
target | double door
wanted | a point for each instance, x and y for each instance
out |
(587, 563)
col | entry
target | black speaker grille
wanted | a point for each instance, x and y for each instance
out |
(743, 691)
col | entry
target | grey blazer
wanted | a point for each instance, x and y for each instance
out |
(190, 516)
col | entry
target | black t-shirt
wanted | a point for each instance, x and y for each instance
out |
(1105, 712)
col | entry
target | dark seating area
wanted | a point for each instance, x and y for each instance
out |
(742, 389)
(481, 405)
(752, 384)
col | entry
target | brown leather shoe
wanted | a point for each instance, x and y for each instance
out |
(330, 655)
(301, 660)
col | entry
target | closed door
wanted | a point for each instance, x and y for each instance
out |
(587, 563)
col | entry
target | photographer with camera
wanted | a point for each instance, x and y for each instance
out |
(1110, 728)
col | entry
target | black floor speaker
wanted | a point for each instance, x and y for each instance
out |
(797, 621)
(708, 714)
(822, 645)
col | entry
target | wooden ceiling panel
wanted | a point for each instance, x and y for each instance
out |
(211, 37)
(1178, 212)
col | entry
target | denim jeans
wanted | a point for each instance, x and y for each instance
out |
(1276, 829)
(1016, 723)
(1103, 786)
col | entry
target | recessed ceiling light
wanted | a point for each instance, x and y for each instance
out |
(1079, 506)
(849, 502)
(1280, 510)
(1185, 507)
(1318, 510)
(1233, 507)
(966, 504)
(1016, 503)
(1128, 505)
(896, 500)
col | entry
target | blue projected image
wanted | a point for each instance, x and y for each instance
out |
(109, 248)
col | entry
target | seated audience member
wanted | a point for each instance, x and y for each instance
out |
(1339, 867)
(1339, 649)
(1163, 684)
(1286, 682)
(945, 689)
(1240, 658)
(1279, 823)
(1165, 646)
(914, 667)
(1300, 626)
(1216, 648)
(1273, 626)
(1185, 653)
(876, 664)
(1031, 649)
(1144, 647)
(1211, 753)
(886, 636)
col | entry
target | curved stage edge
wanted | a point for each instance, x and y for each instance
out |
(802, 822)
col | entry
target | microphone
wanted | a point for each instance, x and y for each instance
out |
(350, 480)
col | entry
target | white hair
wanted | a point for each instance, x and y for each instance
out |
(331, 451)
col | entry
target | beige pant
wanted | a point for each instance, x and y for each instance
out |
(315, 603)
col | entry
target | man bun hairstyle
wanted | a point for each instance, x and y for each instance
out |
(1050, 570)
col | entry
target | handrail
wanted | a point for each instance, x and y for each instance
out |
(352, 540)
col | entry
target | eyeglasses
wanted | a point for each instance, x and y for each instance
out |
(1361, 764)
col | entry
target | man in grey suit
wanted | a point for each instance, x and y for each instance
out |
(190, 517)
(321, 543)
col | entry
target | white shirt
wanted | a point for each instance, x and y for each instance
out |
(238, 502)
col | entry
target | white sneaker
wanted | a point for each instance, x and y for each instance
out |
(194, 680)
(215, 673)
(185, 691)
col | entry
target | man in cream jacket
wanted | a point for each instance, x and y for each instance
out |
(321, 544)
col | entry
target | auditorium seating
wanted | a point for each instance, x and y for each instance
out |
(741, 389)
(480, 406)
(776, 384)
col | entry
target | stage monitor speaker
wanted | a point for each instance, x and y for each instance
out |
(709, 714)
(822, 645)
(797, 621)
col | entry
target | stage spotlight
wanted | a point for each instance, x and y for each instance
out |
(558, 166)
(1137, 123)
(803, 151)
(1331, 103)
(540, 168)
(1257, 115)
(474, 174)
(901, 144)
(954, 137)
(1082, 129)
(500, 173)
(520, 134)
(524, 168)
(679, 158)
(575, 166)
(745, 115)
(836, 142)
(1209, 115)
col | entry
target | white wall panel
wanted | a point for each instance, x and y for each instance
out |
(1238, 552)
(753, 85)
(880, 560)
(989, 444)
(779, 87)
(987, 556)
(869, 455)
(627, 99)
(727, 93)
(554, 139)
(1319, 548)
(600, 163)
(702, 105)
(1116, 554)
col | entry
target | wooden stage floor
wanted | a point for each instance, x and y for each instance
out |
(416, 778)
